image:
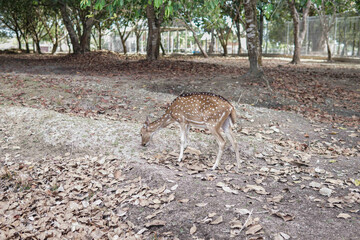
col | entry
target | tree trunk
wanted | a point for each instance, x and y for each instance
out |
(26, 43)
(224, 38)
(198, 43)
(18, 37)
(329, 59)
(69, 27)
(162, 49)
(238, 35)
(298, 36)
(86, 35)
(224, 46)
(261, 30)
(252, 35)
(196, 39)
(354, 40)
(54, 48)
(123, 37)
(297, 47)
(55, 45)
(123, 42)
(137, 42)
(100, 37)
(326, 25)
(138, 32)
(154, 27)
(302, 33)
(68, 43)
(100, 42)
(38, 49)
(212, 42)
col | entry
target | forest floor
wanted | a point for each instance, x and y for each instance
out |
(72, 167)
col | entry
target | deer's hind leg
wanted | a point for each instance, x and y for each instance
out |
(231, 136)
(215, 131)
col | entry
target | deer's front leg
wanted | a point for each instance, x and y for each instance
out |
(182, 140)
(187, 136)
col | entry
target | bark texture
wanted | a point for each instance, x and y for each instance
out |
(212, 42)
(252, 35)
(80, 41)
(326, 24)
(203, 52)
(154, 30)
(238, 36)
(224, 34)
(298, 35)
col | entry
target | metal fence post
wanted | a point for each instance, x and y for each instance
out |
(287, 38)
(307, 36)
(335, 41)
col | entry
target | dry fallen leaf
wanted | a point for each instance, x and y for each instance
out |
(236, 224)
(343, 215)
(256, 188)
(153, 215)
(229, 190)
(193, 229)
(242, 211)
(278, 237)
(196, 168)
(325, 191)
(217, 221)
(155, 223)
(253, 229)
(210, 215)
(281, 236)
(335, 200)
(192, 151)
(285, 216)
(201, 204)
(275, 199)
(315, 184)
(173, 188)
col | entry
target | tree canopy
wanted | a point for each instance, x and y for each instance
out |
(34, 21)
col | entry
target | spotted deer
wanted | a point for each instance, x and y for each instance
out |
(204, 110)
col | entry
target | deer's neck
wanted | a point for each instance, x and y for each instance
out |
(160, 123)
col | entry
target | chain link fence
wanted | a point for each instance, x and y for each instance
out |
(278, 38)
(344, 38)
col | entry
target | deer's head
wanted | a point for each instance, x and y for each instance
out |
(145, 133)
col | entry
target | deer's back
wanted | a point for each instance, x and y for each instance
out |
(199, 107)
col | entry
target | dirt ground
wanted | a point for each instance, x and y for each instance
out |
(72, 167)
